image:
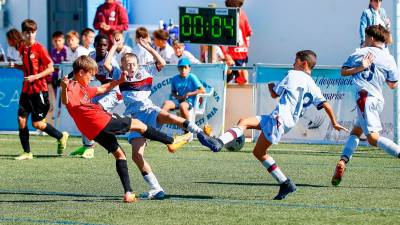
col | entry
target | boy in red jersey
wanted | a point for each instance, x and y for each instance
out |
(34, 99)
(101, 126)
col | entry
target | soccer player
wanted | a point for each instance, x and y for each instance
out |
(136, 91)
(370, 67)
(108, 100)
(184, 88)
(34, 99)
(297, 91)
(88, 39)
(74, 49)
(101, 126)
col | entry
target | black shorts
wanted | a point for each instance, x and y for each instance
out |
(117, 125)
(36, 104)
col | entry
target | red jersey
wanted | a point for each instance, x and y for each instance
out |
(240, 52)
(35, 59)
(114, 15)
(90, 118)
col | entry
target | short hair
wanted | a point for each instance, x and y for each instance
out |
(234, 3)
(58, 34)
(86, 31)
(309, 56)
(100, 37)
(176, 42)
(141, 32)
(116, 32)
(379, 33)
(85, 63)
(128, 55)
(72, 33)
(14, 35)
(28, 25)
(161, 34)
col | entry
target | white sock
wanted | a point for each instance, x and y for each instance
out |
(274, 170)
(349, 148)
(231, 134)
(389, 146)
(152, 181)
(193, 128)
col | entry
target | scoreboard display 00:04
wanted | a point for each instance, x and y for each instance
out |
(212, 26)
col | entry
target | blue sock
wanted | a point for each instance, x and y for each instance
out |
(349, 148)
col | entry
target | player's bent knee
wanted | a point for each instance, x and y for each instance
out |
(373, 139)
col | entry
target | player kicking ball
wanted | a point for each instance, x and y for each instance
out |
(297, 91)
(370, 67)
(136, 91)
(101, 126)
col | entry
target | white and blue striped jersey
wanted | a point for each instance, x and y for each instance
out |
(381, 70)
(297, 92)
(136, 90)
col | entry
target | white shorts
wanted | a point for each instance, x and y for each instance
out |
(368, 115)
(108, 101)
(271, 127)
(148, 117)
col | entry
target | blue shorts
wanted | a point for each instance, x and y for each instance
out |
(148, 117)
(176, 102)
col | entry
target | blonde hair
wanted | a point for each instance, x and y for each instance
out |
(72, 33)
(85, 63)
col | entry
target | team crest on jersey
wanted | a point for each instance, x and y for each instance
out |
(138, 76)
(32, 56)
(112, 16)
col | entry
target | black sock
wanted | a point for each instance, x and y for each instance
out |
(24, 138)
(53, 132)
(122, 170)
(144, 173)
(156, 135)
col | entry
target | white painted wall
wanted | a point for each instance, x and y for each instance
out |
(282, 27)
(19, 10)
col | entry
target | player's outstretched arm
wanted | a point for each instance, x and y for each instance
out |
(64, 96)
(110, 56)
(157, 57)
(108, 86)
(328, 109)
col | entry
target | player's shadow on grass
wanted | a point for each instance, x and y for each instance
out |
(199, 197)
(260, 184)
(12, 157)
(85, 197)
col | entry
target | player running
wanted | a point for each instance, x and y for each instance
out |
(370, 67)
(297, 91)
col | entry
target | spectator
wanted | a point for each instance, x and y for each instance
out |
(144, 57)
(14, 39)
(219, 56)
(180, 53)
(74, 50)
(121, 49)
(111, 16)
(184, 88)
(374, 15)
(58, 55)
(161, 43)
(88, 39)
(237, 56)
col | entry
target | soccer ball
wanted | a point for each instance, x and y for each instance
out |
(235, 145)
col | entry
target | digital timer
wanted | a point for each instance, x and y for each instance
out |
(212, 26)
